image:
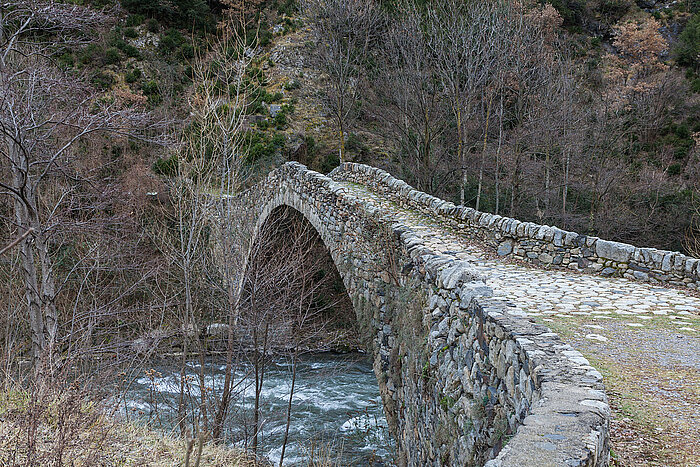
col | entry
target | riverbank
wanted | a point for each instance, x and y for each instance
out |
(337, 417)
(63, 427)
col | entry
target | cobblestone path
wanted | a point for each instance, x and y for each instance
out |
(551, 294)
(644, 338)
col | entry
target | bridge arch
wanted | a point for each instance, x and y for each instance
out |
(307, 211)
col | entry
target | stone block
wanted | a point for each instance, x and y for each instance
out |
(558, 238)
(545, 258)
(505, 248)
(570, 239)
(667, 262)
(639, 275)
(620, 252)
(459, 273)
(679, 263)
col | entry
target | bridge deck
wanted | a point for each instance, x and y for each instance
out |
(644, 338)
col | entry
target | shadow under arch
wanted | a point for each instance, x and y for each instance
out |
(291, 279)
(280, 204)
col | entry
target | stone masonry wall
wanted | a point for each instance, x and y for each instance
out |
(462, 382)
(538, 244)
(485, 385)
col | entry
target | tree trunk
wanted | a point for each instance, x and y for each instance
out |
(233, 297)
(546, 183)
(25, 216)
(341, 149)
(289, 406)
(259, 379)
(565, 191)
(514, 187)
(483, 157)
(256, 408)
(498, 154)
(460, 151)
(48, 287)
(426, 153)
(181, 409)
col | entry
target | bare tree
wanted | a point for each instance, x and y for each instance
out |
(44, 114)
(410, 86)
(527, 58)
(211, 162)
(226, 136)
(345, 31)
(464, 39)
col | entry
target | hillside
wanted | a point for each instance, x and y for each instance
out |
(612, 153)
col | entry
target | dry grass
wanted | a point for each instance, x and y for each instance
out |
(62, 427)
(652, 379)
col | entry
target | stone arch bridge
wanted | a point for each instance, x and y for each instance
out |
(445, 294)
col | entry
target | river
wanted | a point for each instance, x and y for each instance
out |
(336, 407)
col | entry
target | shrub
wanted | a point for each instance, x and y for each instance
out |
(258, 96)
(152, 25)
(695, 85)
(682, 131)
(150, 88)
(330, 162)
(287, 7)
(115, 40)
(112, 56)
(310, 144)
(256, 74)
(166, 167)
(170, 42)
(132, 76)
(674, 169)
(152, 91)
(278, 140)
(187, 51)
(180, 13)
(134, 20)
(280, 121)
(66, 60)
(571, 10)
(688, 48)
(611, 11)
(102, 80)
(131, 33)
(90, 54)
(260, 146)
(265, 38)
(131, 51)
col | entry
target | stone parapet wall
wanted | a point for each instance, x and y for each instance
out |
(538, 244)
(463, 383)
(493, 389)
